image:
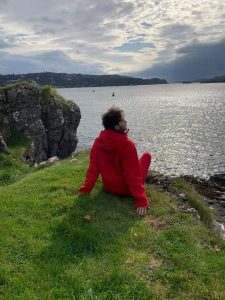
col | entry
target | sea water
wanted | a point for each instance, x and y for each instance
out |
(182, 125)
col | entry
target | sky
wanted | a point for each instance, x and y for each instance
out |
(173, 39)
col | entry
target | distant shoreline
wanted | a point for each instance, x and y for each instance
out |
(64, 80)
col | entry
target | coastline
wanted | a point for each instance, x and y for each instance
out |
(211, 190)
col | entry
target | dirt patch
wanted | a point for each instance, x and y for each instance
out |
(158, 224)
(154, 263)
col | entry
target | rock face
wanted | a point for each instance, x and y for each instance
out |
(3, 146)
(48, 121)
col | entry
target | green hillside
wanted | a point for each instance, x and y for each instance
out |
(78, 80)
(48, 250)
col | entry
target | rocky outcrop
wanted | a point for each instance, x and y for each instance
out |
(47, 120)
(3, 146)
(211, 189)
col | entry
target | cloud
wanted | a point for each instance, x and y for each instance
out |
(116, 36)
(3, 2)
(14, 63)
(146, 25)
(134, 46)
(55, 61)
(196, 61)
(4, 44)
(176, 31)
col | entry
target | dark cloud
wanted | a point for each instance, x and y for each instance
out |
(89, 16)
(176, 31)
(119, 34)
(55, 61)
(5, 44)
(197, 60)
(13, 40)
(17, 36)
(3, 2)
(134, 46)
(16, 64)
(146, 25)
(47, 20)
(85, 20)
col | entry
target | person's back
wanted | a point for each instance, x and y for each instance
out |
(108, 146)
(114, 156)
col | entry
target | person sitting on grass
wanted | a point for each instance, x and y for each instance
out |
(114, 156)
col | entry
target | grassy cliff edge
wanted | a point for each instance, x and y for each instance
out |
(50, 251)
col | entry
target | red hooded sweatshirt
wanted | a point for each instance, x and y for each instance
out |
(114, 156)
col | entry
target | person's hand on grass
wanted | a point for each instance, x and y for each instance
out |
(141, 211)
(82, 193)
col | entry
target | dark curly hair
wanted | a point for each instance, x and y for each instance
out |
(112, 117)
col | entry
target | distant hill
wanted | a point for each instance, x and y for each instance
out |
(214, 79)
(65, 80)
(211, 80)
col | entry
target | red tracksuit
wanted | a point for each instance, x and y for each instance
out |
(114, 156)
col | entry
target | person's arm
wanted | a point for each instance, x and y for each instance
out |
(92, 172)
(133, 175)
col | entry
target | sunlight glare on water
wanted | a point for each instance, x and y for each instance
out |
(183, 125)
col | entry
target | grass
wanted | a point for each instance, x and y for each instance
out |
(48, 90)
(49, 251)
(13, 85)
(12, 168)
(195, 200)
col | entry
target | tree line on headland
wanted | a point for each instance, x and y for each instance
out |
(214, 79)
(64, 80)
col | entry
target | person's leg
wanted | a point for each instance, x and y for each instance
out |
(145, 162)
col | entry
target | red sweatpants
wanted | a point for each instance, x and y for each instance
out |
(145, 162)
